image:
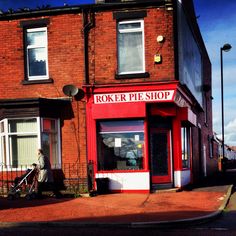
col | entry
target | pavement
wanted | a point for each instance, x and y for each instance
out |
(164, 208)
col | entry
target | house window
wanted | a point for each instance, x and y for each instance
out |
(120, 145)
(20, 138)
(211, 146)
(36, 50)
(186, 146)
(205, 108)
(131, 47)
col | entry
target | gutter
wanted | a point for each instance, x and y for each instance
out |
(27, 13)
(88, 24)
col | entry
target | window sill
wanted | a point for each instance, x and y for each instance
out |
(132, 76)
(42, 81)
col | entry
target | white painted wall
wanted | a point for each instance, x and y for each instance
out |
(127, 181)
(182, 178)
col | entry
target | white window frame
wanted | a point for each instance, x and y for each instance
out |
(2, 136)
(123, 31)
(7, 134)
(37, 46)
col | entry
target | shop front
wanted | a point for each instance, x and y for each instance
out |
(135, 136)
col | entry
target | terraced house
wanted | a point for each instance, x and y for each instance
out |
(119, 90)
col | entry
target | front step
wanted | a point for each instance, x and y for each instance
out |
(168, 187)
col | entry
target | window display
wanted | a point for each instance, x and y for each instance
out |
(120, 145)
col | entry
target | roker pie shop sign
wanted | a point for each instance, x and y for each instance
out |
(143, 96)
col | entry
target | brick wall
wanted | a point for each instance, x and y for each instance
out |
(66, 66)
(103, 47)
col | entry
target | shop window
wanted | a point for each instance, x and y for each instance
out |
(19, 140)
(186, 146)
(211, 146)
(36, 53)
(131, 47)
(120, 145)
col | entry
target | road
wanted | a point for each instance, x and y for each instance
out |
(227, 221)
(223, 225)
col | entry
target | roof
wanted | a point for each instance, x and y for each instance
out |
(47, 10)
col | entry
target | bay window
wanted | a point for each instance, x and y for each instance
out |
(20, 138)
(120, 145)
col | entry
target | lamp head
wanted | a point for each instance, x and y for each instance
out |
(226, 47)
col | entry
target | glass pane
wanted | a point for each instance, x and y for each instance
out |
(159, 154)
(115, 126)
(130, 54)
(134, 25)
(49, 145)
(23, 125)
(121, 149)
(37, 61)
(185, 132)
(49, 125)
(36, 38)
(50, 141)
(23, 149)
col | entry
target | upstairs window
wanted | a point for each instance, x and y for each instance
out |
(131, 47)
(36, 51)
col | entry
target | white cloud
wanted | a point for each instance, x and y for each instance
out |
(230, 134)
(215, 37)
(217, 25)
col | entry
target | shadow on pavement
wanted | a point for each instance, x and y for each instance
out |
(24, 203)
(219, 179)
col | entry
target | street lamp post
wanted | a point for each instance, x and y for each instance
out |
(225, 48)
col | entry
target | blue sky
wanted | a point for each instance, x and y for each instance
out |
(216, 19)
(217, 24)
(33, 4)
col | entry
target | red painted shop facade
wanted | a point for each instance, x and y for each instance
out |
(136, 133)
(146, 123)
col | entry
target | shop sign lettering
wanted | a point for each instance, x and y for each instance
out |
(144, 96)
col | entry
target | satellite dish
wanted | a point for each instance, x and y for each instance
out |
(70, 90)
(80, 95)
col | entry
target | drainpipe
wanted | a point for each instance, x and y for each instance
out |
(88, 24)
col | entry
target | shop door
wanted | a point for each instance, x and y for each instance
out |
(160, 155)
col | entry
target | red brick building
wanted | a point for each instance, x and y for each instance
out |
(34, 111)
(145, 118)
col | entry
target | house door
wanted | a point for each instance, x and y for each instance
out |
(160, 155)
